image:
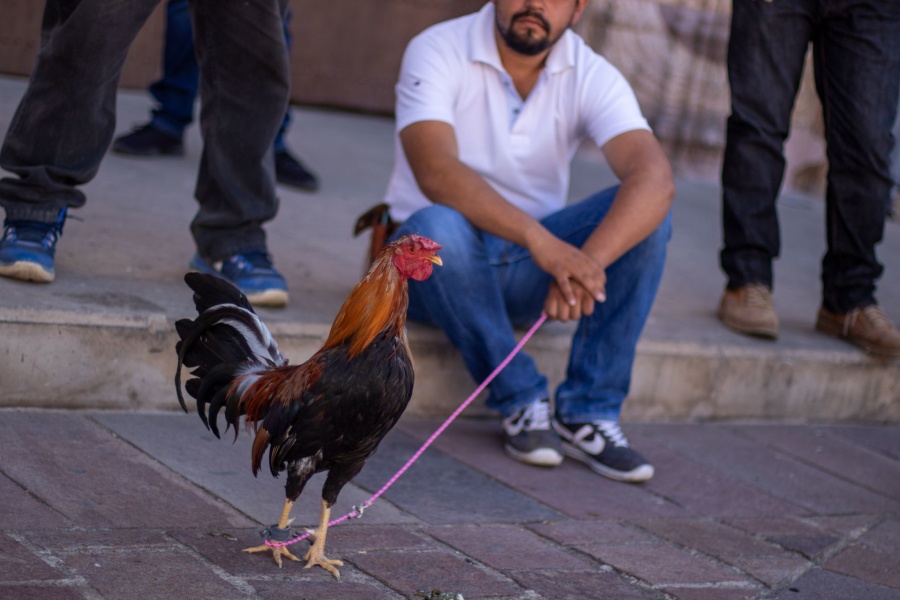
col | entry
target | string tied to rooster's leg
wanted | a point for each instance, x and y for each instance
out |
(276, 533)
(358, 510)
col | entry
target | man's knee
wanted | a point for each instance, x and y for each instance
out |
(435, 219)
(443, 224)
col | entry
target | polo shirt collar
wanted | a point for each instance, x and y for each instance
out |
(483, 46)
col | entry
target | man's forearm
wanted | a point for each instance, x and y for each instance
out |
(640, 206)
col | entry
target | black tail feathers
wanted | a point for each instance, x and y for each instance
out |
(212, 291)
(226, 340)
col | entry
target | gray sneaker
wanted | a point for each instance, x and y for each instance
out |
(529, 438)
(602, 446)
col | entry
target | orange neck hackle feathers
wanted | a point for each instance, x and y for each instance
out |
(379, 302)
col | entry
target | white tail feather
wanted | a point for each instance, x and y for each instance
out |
(259, 339)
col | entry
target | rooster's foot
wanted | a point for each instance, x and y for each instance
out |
(319, 559)
(277, 552)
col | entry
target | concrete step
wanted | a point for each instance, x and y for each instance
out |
(102, 334)
(77, 360)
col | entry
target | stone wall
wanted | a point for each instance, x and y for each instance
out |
(347, 52)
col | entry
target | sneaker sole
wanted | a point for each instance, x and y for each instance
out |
(642, 473)
(269, 299)
(27, 271)
(543, 457)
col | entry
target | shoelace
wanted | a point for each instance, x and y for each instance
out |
(876, 317)
(537, 416)
(255, 260)
(45, 234)
(612, 432)
(42, 233)
(758, 295)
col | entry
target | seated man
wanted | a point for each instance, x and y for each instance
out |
(491, 108)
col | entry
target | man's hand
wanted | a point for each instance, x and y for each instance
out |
(556, 306)
(578, 279)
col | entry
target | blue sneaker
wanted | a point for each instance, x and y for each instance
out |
(252, 273)
(27, 249)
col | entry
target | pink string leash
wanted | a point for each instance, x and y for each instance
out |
(357, 511)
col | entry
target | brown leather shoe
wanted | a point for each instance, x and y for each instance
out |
(867, 327)
(750, 310)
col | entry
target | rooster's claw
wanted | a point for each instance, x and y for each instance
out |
(277, 552)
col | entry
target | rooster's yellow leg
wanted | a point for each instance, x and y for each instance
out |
(316, 553)
(278, 551)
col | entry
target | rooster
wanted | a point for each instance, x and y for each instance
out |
(327, 414)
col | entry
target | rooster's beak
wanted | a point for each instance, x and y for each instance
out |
(436, 260)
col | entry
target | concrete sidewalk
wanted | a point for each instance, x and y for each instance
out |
(124, 505)
(102, 334)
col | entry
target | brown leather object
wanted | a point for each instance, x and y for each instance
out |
(378, 219)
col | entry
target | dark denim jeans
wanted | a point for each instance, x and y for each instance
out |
(488, 286)
(856, 56)
(176, 90)
(64, 123)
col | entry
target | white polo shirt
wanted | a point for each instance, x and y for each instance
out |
(451, 72)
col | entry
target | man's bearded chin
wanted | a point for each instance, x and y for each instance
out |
(525, 43)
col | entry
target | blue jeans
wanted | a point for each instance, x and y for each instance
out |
(856, 56)
(489, 286)
(65, 121)
(176, 90)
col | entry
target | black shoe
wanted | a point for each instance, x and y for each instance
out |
(147, 140)
(290, 171)
(529, 438)
(602, 446)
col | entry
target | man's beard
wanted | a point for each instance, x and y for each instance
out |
(524, 43)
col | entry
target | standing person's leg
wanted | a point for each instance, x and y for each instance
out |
(176, 90)
(280, 145)
(174, 93)
(244, 86)
(766, 53)
(857, 61)
(893, 208)
(63, 125)
(289, 169)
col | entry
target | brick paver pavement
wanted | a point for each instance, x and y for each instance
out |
(149, 505)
